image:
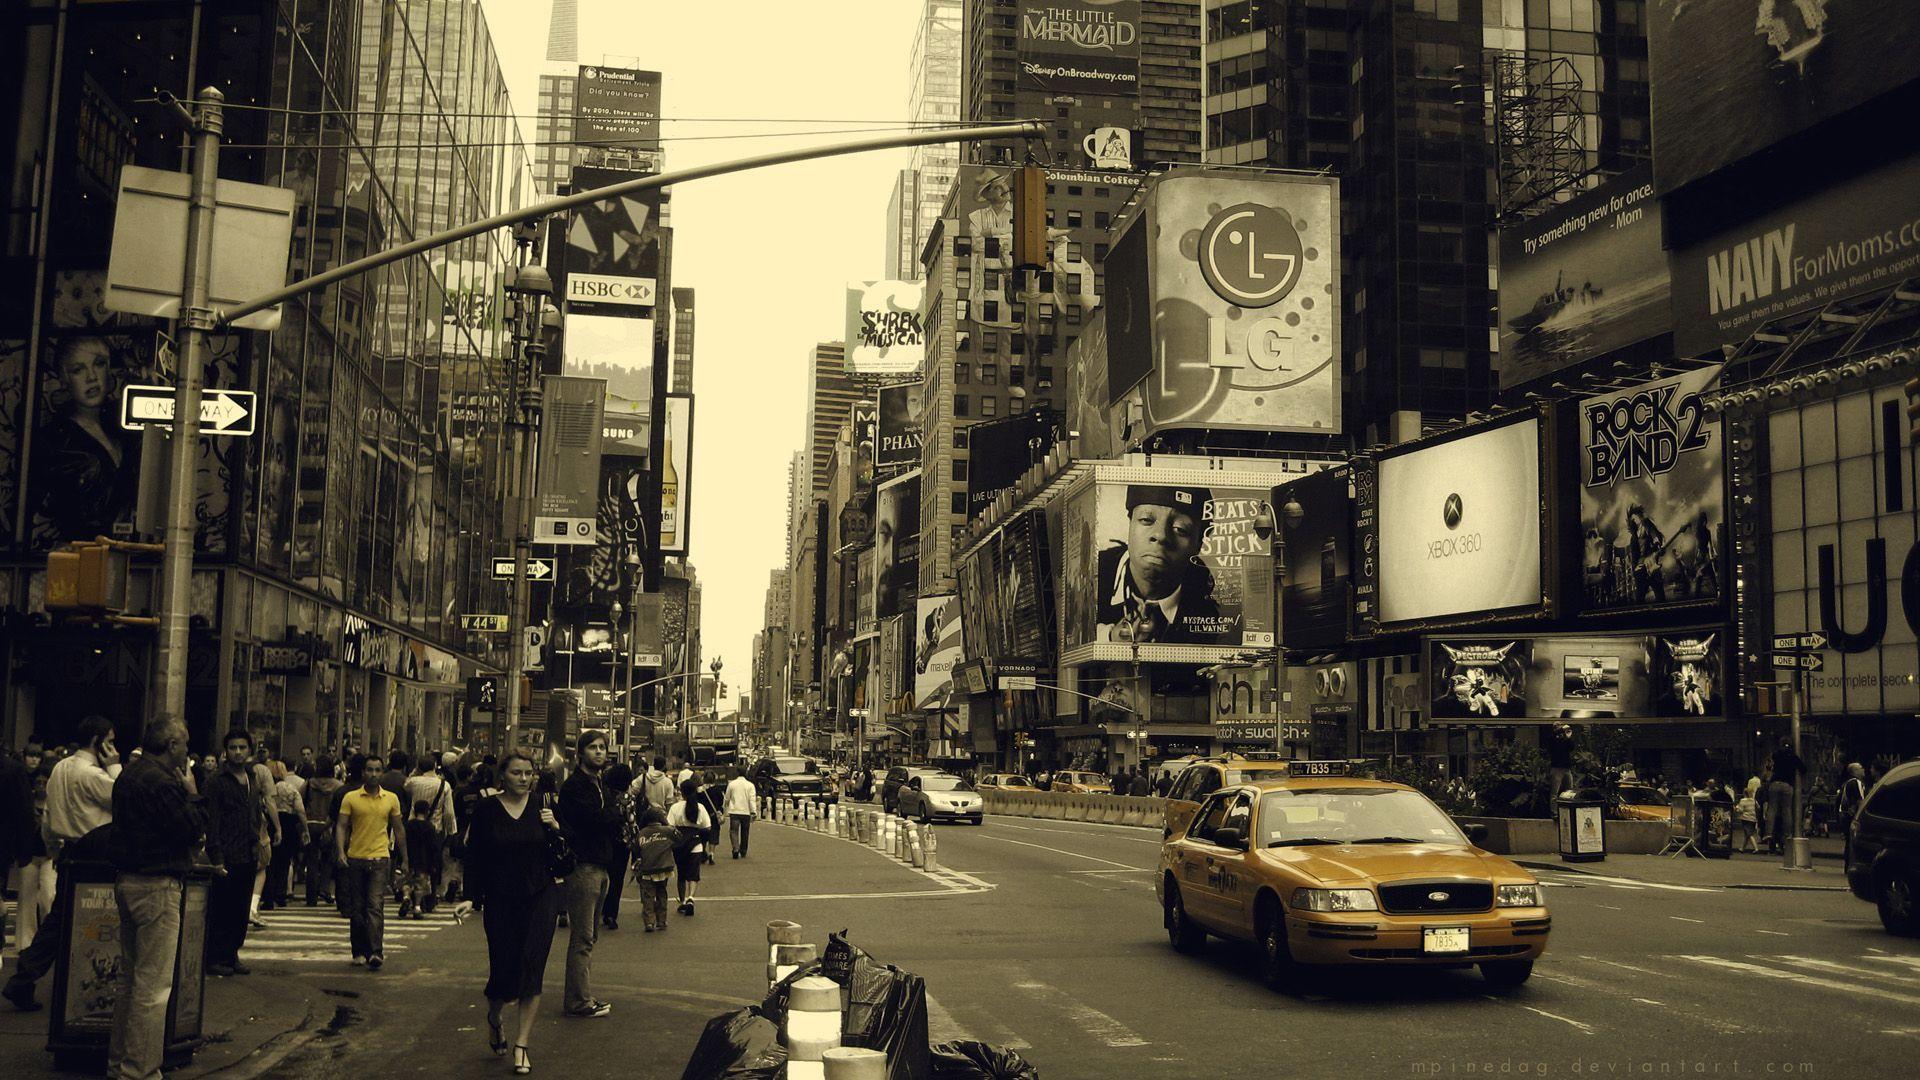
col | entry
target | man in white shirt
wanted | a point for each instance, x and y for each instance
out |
(742, 803)
(79, 800)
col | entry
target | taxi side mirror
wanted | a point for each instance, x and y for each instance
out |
(1228, 836)
(1476, 832)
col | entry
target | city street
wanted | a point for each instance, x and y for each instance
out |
(1044, 936)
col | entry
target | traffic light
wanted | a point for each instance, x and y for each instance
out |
(1913, 408)
(1030, 218)
(87, 576)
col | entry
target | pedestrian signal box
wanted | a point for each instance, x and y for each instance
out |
(1030, 218)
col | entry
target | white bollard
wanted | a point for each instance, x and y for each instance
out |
(786, 952)
(915, 850)
(811, 1027)
(854, 1063)
(932, 845)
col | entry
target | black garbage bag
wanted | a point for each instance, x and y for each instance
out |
(887, 1011)
(978, 1061)
(841, 953)
(741, 1045)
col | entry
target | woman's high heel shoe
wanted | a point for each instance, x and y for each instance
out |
(522, 1061)
(498, 1041)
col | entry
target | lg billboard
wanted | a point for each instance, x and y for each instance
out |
(1460, 525)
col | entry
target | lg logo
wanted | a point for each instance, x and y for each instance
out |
(1452, 511)
(1250, 254)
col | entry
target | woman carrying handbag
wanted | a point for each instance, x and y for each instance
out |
(514, 853)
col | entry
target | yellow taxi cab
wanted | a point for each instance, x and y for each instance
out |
(1081, 782)
(1208, 775)
(1638, 802)
(1341, 870)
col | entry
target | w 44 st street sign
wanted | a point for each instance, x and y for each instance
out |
(222, 412)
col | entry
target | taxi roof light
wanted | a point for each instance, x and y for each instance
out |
(1307, 767)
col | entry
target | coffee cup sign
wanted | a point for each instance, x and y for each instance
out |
(1109, 148)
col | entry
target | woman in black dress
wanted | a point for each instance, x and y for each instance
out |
(508, 872)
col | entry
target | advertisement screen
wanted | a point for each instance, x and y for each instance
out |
(1001, 452)
(1080, 28)
(1857, 236)
(1617, 677)
(1731, 77)
(983, 203)
(1006, 594)
(619, 351)
(1315, 600)
(1226, 305)
(900, 426)
(617, 108)
(1169, 564)
(676, 482)
(936, 647)
(1582, 279)
(611, 253)
(611, 571)
(567, 475)
(896, 544)
(1460, 525)
(1652, 502)
(884, 333)
(1844, 560)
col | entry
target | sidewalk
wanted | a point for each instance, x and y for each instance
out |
(1741, 871)
(251, 1022)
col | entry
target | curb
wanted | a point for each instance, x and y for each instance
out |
(1566, 868)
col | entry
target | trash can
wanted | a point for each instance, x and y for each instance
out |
(1713, 817)
(87, 971)
(1582, 826)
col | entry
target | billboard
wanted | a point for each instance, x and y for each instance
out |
(1225, 298)
(1652, 501)
(1088, 411)
(676, 478)
(1006, 593)
(983, 204)
(1858, 235)
(1079, 28)
(1001, 451)
(1727, 82)
(618, 351)
(936, 647)
(611, 253)
(866, 442)
(1679, 675)
(896, 544)
(900, 427)
(1316, 516)
(1841, 499)
(885, 335)
(616, 108)
(612, 570)
(567, 475)
(1102, 76)
(1460, 525)
(865, 623)
(1584, 278)
(1168, 564)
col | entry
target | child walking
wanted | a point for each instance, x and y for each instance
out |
(653, 864)
(423, 859)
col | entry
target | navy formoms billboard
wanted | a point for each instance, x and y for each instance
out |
(1581, 280)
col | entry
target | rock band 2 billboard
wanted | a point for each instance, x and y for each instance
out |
(1652, 501)
(1678, 675)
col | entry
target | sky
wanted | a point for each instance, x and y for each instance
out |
(769, 252)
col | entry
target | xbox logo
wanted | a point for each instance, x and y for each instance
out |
(1452, 511)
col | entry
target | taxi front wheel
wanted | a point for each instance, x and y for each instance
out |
(1186, 935)
(1276, 959)
(1506, 974)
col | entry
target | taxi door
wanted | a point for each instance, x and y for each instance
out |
(1232, 869)
(1195, 856)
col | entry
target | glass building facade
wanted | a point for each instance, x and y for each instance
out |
(359, 520)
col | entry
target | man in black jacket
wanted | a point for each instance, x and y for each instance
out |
(158, 821)
(236, 812)
(590, 818)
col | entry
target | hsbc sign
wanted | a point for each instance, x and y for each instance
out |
(608, 289)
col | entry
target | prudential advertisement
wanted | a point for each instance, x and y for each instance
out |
(1460, 526)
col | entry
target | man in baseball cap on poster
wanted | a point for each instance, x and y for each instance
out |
(1152, 586)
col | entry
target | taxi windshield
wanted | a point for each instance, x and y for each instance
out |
(1352, 816)
(1247, 774)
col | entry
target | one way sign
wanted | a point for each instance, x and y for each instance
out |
(538, 569)
(222, 412)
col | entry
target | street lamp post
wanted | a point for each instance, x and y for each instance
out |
(530, 286)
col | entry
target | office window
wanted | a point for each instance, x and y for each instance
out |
(959, 471)
(957, 504)
(1073, 219)
(960, 407)
(989, 405)
(962, 372)
(990, 373)
(959, 438)
(1101, 219)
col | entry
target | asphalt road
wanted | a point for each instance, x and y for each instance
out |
(1045, 936)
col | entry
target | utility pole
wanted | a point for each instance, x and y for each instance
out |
(197, 319)
(1797, 855)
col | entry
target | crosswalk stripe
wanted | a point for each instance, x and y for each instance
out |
(1850, 971)
(1102, 1027)
(1860, 989)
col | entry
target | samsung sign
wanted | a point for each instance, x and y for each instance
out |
(1460, 526)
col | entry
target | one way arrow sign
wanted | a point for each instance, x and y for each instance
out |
(538, 569)
(222, 412)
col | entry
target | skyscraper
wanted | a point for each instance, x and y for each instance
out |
(831, 393)
(682, 382)
(933, 97)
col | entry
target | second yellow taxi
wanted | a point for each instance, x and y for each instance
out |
(1341, 870)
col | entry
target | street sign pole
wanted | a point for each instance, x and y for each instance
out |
(1798, 855)
(196, 322)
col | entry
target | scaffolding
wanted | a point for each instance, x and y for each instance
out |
(1538, 130)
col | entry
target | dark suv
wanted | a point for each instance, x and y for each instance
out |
(790, 777)
(1883, 857)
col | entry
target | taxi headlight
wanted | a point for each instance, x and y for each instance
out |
(1335, 900)
(1519, 896)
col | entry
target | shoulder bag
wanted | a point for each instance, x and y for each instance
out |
(561, 860)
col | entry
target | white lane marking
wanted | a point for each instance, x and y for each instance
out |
(1875, 992)
(1910, 961)
(1900, 1031)
(1775, 933)
(1130, 870)
(1063, 851)
(1080, 832)
(1105, 1028)
(1849, 970)
(1630, 883)
(1610, 907)
(1683, 918)
(1650, 1001)
(949, 891)
(1584, 1028)
(957, 883)
(1627, 967)
(943, 1027)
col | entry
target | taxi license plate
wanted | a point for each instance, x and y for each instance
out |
(1444, 939)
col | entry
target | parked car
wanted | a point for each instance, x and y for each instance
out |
(897, 778)
(1005, 781)
(1883, 850)
(941, 798)
(1638, 802)
(1080, 782)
